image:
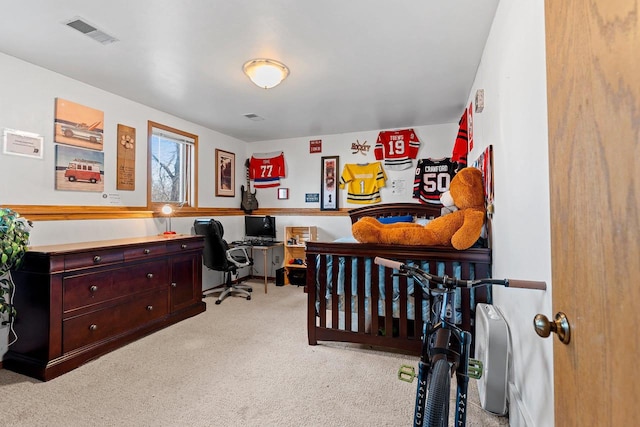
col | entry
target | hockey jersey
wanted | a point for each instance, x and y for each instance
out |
(266, 169)
(363, 182)
(397, 148)
(461, 146)
(432, 178)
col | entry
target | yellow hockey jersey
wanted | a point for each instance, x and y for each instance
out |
(363, 182)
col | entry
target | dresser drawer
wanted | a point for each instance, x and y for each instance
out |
(175, 247)
(96, 326)
(93, 258)
(83, 290)
(144, 251)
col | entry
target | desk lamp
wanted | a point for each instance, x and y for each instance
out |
(167, 210)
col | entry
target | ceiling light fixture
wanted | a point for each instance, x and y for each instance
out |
(265, 73)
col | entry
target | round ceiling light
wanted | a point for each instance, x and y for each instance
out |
(265, 73)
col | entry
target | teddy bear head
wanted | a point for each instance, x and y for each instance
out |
(466, 190)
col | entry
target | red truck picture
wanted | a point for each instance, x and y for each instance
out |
(83, 170)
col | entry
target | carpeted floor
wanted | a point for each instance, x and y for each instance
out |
(241, 363)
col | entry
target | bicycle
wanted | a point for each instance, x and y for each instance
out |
(445, 347)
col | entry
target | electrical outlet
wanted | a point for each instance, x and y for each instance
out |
(277, 259)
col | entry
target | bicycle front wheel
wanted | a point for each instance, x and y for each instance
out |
(437, 413)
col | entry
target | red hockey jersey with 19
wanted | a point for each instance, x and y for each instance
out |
(397, 148)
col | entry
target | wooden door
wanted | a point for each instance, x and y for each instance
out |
(593, 72)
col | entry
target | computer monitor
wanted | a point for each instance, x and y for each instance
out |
(260, 227)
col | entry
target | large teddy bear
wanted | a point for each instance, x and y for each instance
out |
(460, 229)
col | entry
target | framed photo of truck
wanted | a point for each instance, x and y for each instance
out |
(78, 169)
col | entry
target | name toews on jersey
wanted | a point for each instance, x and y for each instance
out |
(432, 178)
(397, 148)
(266, 169)
(363, 182)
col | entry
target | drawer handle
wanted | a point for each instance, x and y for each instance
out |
(149, 275)
(93, 288)
(147, 251)
(183, 246)
(93, 327)
(97, 259)
(149, 307)
(174, 284)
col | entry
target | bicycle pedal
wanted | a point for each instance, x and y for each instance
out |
(474, 368)
(406, 373)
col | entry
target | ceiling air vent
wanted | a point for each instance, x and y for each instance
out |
(80, 24)
(254, 117)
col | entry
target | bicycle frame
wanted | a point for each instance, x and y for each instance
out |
(441, 338)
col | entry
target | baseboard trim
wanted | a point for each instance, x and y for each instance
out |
(518, 414)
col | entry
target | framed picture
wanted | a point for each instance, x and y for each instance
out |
(225, 174)
(78, 125)
(283, 193)
(79, 169)
(329, 184)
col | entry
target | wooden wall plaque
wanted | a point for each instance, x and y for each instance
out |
(126, 164)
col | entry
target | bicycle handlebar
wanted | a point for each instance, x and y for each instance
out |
(457, 283)
(389, 263)
(526, 284)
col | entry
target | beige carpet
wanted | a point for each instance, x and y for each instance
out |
(241, 363)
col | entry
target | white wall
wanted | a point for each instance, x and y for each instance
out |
(513, 76)
(29, 94)
(28, 99)
(304, 170)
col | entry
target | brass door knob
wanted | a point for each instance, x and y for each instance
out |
(559, 326)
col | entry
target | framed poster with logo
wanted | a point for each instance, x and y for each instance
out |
(329, 184)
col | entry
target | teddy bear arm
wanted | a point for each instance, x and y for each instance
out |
(470, 230)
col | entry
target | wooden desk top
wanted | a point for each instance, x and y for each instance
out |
(114, 243)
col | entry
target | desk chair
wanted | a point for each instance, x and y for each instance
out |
(218, 256)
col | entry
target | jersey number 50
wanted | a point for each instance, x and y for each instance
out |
(436, 182)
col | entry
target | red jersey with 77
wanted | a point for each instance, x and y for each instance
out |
(266, 169)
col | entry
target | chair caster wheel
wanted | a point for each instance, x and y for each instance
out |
(249, 298)
(250, 289)
(218, 302)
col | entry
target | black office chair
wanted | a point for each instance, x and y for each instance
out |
(218, 256)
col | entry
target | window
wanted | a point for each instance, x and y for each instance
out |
(172, 162)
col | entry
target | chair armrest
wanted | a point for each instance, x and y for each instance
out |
(239, 256)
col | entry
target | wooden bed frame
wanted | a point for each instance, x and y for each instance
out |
(327, 322)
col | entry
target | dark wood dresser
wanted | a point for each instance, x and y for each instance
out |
(76, 302)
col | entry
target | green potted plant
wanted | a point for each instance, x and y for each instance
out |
(14, 242)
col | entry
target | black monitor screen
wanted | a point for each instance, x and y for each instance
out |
(260, 226)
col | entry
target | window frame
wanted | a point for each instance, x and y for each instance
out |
(190, 192)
